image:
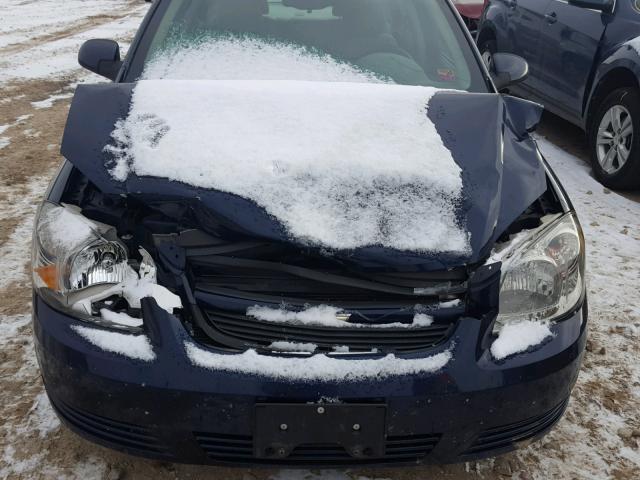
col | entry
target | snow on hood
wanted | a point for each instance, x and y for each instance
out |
(479, 169)
(340, 165)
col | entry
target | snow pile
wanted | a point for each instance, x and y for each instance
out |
(133, 290)
(519, 337)
(246, 58)
(120, 318)
(137, 347)
(62, 228)
(359, 165)
(450, 304)
(326, 316)
(293, 347)
(320, 316)
(422, 320)
(315, 368)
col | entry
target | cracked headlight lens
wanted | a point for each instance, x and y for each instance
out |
(543, 278)
(72, 253)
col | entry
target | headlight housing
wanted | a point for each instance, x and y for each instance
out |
(82, 265)
(72, 253)
(543, 273)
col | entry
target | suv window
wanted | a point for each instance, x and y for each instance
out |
(412, 42)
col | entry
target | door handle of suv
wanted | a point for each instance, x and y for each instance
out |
(551, 18)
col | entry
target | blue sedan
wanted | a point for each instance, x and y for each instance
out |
(280, 238)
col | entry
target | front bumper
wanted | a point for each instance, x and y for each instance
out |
(173, 410)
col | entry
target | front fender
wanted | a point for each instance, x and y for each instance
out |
(625, 56)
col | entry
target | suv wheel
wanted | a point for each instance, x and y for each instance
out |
(614, 137)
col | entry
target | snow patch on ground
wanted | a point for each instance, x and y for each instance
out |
(49, 102)
(357, 166)
(59, 57)
(317, 368)
(23, 20)
(42, 417)
(234, 58)
(137, 347)
(519, 337)
(16, 251)
(21, 389)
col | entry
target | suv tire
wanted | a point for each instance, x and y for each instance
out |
(614, 139)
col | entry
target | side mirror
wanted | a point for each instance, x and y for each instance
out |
(101, 57)
(605, 6)
(508, 69)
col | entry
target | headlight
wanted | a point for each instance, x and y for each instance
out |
(82, 265)
(71, 252)
(543, 276)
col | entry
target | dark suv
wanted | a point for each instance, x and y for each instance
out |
(584, 66)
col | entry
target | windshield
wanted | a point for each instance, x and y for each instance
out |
(408, 42)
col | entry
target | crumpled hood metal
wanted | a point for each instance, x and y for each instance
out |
(487, 135)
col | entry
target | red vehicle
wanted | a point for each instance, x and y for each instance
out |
(471, 11)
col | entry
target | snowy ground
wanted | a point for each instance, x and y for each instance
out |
(597, 439)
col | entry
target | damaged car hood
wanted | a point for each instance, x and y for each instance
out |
(486, 135)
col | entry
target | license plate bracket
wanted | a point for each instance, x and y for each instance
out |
(358, 428)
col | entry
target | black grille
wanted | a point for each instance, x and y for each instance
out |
(235, 448)
(506, 436)
(116, 433)
(260, 334)
(276, 281)
(225, 286)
